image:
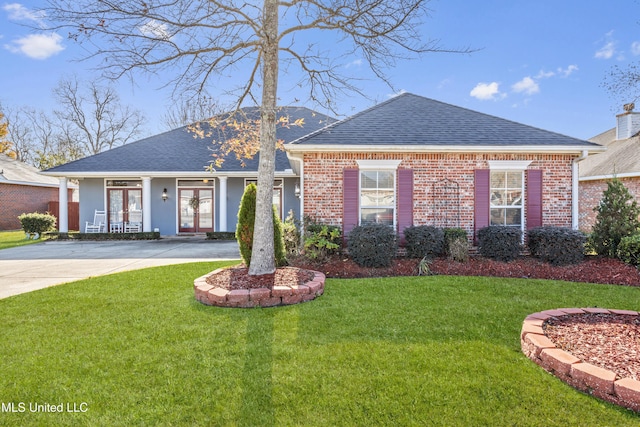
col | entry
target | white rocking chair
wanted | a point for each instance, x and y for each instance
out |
(99, 224)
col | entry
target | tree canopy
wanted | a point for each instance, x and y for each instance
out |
(258, 43)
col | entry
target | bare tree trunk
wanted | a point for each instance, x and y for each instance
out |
(263, 258)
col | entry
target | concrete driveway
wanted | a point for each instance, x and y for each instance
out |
(27, 268)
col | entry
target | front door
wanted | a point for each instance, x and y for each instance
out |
(122, 201)
(196, 210)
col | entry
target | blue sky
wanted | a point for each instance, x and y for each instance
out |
(540, 63)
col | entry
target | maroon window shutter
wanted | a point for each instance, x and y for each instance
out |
(481, 200)
(534, 198)
(405, 201)
(350, 198)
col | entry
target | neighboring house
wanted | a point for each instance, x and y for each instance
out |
(621, 160)
(413, 160)
(23, 189)
(164, 182)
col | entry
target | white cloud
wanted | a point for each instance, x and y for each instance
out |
(486, 91)
(635, 48)
(155, 29)
(608, 49)
(566, 72)
(37, 46)
(527, 85)
(354, 63)
(17, 12)
(545, 74)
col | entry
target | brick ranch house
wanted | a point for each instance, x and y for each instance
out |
(621, 160)
(413, 161)
(23, 190)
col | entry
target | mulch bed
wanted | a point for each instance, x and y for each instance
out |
(238, 278)
(592, 270)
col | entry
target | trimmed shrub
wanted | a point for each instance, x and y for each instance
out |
(556, 245)
(629, 250)
(500, 242)
(456, 245)
(424, 241)
(617, 218)
(246, 221)
(245, 227)
(372, 245)
(37, 222)
(221, 235)
(278, 240)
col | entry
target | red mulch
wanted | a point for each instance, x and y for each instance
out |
(591, 270)
(238, 278)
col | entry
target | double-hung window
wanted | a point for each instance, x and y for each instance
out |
(378, 191)
(507, 198)
(377, 197)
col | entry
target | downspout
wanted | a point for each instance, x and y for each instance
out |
(575, 191)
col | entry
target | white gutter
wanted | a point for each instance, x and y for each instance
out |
(537, 149)
(575, 191)
(611, 176)
(162, 174)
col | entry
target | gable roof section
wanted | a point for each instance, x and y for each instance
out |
(179, 151)
(622, 158)
(18, 173)
(409, 122)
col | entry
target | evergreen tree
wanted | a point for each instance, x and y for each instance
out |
(617, 217)
(244, 228)
(246, 220)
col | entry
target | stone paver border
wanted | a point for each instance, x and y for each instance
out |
(583, 376)
(262, 297)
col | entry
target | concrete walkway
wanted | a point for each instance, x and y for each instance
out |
(31, 267)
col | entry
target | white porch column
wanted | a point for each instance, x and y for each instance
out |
(63, 212)
(222, 217)
(146, 204)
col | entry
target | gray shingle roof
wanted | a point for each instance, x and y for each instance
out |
(13, 171)
(178, 151)
(409, 119)
(622, 157)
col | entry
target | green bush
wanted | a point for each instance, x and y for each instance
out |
(245, 227)
(456, 245)
(556, 245)
(37, 222)
(246, 221)
(617, 218)
(372, 245)
(318, 245)
(500, 242)
(321, 240)
(424, 241)
(629, 250)
(221, 235)
(278, 241)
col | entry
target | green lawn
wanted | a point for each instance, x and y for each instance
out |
(137, 349)
(10, 239)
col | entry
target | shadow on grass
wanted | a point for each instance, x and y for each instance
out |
(257, 386)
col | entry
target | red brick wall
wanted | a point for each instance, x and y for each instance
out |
(590, 195)
(18, 199)
(323, 184)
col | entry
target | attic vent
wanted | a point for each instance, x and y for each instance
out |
(628, 123)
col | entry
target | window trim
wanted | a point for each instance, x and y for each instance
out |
(522, 204)
(379, 166)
